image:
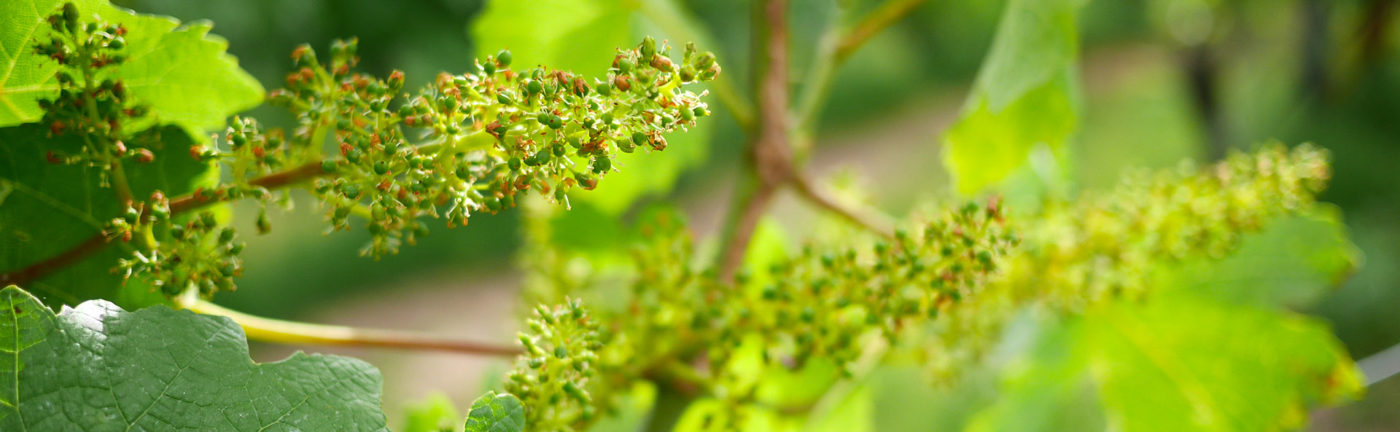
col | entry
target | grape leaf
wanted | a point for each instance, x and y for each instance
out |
(1025, 95)
(496, 412)
(1293, 262)
(51, 208)
(1175, 363)
(183, 74)
(189, 80)
(581, 36)
(99, 368)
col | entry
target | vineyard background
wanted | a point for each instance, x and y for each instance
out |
(1310, 70)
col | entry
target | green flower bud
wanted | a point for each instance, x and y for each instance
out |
(602, 164)
(648, 47)
(503, 58)
(350, 191)
(539, 158)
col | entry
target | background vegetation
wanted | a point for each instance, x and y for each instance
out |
(1162, 80)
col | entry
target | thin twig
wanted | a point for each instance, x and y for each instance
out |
(746, 220)
(275, 180)
(179, 205)
(836, 47)
(815, 195)
(119, 184)
(888, 13)
(291, 332)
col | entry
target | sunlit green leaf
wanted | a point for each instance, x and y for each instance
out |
(434, 413)
(188, 80)
(1293, 262)
(496, 412)
(577, 35)
(99, 368)
(183, 74)
(1025, 95)
(1175, 364)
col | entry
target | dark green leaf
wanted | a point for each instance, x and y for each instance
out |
(99, 368)
(496, 412)
(46, 209)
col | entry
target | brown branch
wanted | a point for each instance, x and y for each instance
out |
(814, 194)
(746, 219)
(64, 259)
(770, 155)
(179, 205)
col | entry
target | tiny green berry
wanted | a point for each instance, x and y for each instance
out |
(350, 191)
(503, 58)
(602, 164)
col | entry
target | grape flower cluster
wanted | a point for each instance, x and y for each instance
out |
(90, 102)
(1105, 246)
(553, 374)
(466, 143)
(473, 142)
(683, 325)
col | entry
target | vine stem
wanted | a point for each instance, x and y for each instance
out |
(120, 185)
(179, 205)
(292, 332)
(770, 156)
(814, 194)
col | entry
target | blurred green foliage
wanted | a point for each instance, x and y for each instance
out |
(1139, 110)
